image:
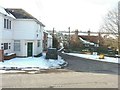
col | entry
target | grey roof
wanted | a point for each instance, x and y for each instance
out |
(6, 13)
(21, 14)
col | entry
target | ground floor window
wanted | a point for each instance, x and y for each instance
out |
(38, 43)
(16, 45)
(5, 46)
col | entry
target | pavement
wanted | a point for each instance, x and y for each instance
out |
(60, 80)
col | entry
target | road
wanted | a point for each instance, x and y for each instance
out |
(78, 64)
(69, 77)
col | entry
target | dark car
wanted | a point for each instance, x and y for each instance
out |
(52, 53)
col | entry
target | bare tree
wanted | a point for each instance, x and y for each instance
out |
(110, 24)
(119, 26)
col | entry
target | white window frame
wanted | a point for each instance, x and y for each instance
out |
(17, 45)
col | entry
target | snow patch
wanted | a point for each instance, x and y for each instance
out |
(96, 57)
(32, 63)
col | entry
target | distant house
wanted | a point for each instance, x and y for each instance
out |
(95, 40)
(86, 40)
(20, 33)
(47, 41)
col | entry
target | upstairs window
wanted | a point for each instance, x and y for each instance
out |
(5, 23)
(10, 24)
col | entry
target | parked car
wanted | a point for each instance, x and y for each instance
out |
(52, 53)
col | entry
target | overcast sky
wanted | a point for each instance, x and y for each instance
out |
(61, 14)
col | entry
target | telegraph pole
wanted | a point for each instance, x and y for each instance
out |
(119, 27)
(69, 36)
(53, 38)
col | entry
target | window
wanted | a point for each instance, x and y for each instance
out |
(5, 46)
(7, 24)
(4, 23)
(10, 25)
(16, 45)
(37, 35)
(38, 43)
(9, 47)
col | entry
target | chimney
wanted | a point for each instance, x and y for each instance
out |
(76, 32)
(89, 33)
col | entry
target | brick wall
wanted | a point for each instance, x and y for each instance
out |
(1, 55)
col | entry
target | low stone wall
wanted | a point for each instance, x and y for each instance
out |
(8, 57)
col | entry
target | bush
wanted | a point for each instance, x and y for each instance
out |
(102, 50)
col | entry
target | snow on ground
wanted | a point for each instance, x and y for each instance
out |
(11, 71)
(95, 57)
(33, 62)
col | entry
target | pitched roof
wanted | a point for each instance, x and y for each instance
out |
(90, 38)
(6, 13)
(20, 13)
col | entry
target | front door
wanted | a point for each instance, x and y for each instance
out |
(29, 49)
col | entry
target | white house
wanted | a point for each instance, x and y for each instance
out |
(20, 33)
(6, 30)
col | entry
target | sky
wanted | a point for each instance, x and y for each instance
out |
(83, 15)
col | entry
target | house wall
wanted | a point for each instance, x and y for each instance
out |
(37, 50)
(1, 18)
(23, 48)
(40, 30)
(6, 35)
(24, 29)
(1, 28)
(30, 31)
